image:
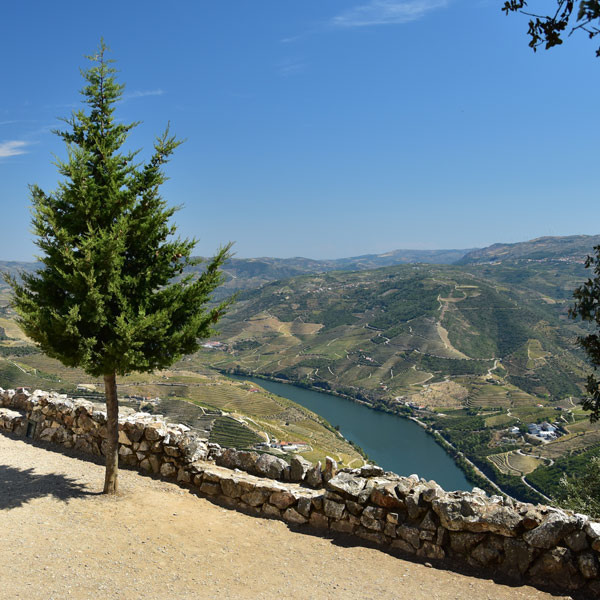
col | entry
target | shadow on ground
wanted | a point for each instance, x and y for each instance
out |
(19, 486)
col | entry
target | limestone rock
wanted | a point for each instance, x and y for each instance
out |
(463, 511)
(346, 484)
(386, 497)
(299, 466)
(256, 497)
(168, 470)
(370, 471)
(304, 506)
(331, 468)
(313, 477)
(270, 466)
(229, 459)
(550, 532)
(372, 518)
(411, 535)
(334, 510)
(282, 500)
(293, 516)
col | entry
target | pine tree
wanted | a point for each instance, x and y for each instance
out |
(111, 295)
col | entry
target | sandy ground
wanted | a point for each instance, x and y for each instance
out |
(60, 538)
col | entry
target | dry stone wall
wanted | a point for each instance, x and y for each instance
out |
(529, 543)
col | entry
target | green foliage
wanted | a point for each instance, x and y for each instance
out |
(229, 433)
(497, 319)
(18, 350)
(450, 366)
(587, 306)
(581, 492)
(105, 297)
(570, 15)
(573, 481)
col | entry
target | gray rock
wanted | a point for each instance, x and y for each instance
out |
(429, 522)
(463, 542)
(256, 497)
(334, 510)
(411, 535)
(210, 489)
(172, 451)
(247, 460)
(299, 467)
(304, 506)
(460, 511)
(550, 532)
(270, 466)
(385, 496)
(168, 470)
(372, 518)
(404, 486)
(229, 459)
(314, 477)
(577, 541)
(293, 516)
(354, 508)
(370, 471)
(346, 484)
(593, 531)
(282, 500)
(331, 468)
(489, 552)
(231, 488)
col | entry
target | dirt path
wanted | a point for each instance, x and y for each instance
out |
(60, 539)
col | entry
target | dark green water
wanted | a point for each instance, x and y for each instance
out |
(394, 443)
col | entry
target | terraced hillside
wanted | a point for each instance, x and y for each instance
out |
(472, 351)
(434, 335)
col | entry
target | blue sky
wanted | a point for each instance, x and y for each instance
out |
(319, 128)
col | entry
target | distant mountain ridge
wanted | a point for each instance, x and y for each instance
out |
(572, 248)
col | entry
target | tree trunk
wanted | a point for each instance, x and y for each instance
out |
(112, 430)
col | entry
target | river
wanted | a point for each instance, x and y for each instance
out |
(394, 443)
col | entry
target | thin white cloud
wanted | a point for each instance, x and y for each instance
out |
(12, 148)
(142, 94)
(386, 12)
(290, 67)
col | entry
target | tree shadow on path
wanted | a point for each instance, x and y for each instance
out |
(19, 486)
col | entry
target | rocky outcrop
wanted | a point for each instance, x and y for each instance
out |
(541, 545)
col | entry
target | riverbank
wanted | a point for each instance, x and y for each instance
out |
(397, 444)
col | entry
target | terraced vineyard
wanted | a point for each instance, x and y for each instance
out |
(230, 433)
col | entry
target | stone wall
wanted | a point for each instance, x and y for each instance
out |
(529, 543)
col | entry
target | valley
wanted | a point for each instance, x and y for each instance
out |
(475, 351)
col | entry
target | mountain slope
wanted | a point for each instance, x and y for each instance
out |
(572, 248)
